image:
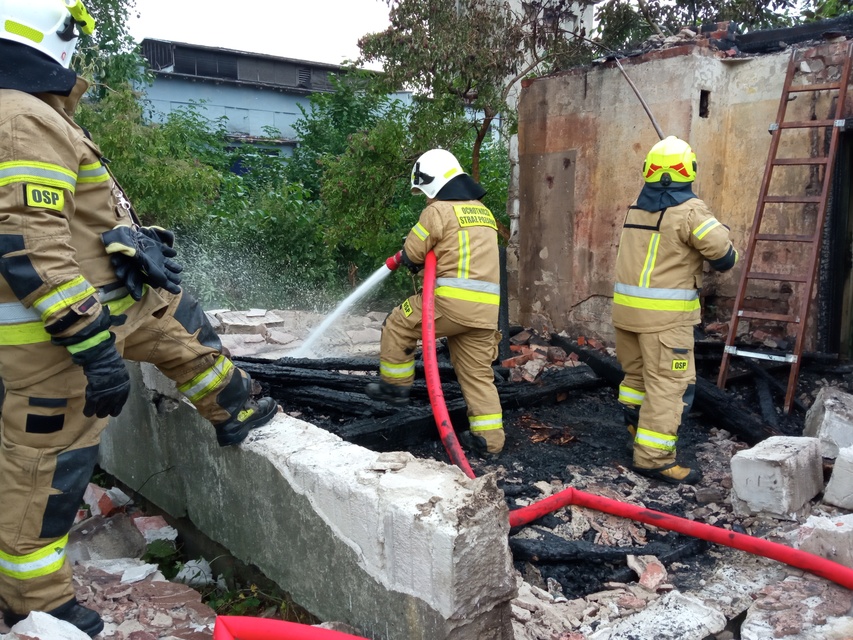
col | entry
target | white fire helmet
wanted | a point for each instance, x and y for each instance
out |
(433, 170)
(49, 26)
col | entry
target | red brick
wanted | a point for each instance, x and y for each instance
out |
(517, 361)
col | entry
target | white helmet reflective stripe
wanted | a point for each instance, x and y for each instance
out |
(49, 26)
(433, 170)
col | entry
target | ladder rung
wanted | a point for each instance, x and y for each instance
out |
(778, 237)
(760, 315)
(762, 355)
(800, 161)
(806, 124)
(814, 87)
(792, 199)
(786, 277)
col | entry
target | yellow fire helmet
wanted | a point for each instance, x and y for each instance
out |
(433, 170)
(49, 26)
(670, 157)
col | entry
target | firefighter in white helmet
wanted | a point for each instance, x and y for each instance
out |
(463, 234)
(668, 233)
(81, 285)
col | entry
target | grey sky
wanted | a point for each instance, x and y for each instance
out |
(315, 30)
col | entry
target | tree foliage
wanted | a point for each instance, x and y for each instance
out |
(109, 57)
(462, 59)
(626, 23)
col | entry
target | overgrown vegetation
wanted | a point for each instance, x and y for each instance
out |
(254, 230)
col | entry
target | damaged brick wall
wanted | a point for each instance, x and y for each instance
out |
(582, 139)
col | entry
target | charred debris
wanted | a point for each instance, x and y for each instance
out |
(564, 428)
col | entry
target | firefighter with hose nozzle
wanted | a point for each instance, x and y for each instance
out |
(463, 235)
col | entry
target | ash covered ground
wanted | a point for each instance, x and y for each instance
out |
(581, 441)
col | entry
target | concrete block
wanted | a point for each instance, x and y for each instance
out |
(830, 419)
(402, 548)
(839, 490)
(830, 538)
(777, 477)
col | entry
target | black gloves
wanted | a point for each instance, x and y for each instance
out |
(108, 381)
(143, 256)
(411, 266)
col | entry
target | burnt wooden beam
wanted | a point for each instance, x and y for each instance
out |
(765, 402)
(415, 424)
(284, 367)
(771, 383)
(552, 549)
(689, 548)
(719, 407)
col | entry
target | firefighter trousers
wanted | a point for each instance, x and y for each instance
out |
(660, 373)
(472, 351)
(48, 448)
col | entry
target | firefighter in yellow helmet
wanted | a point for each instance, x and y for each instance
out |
(82, 285)
(463, 234)
(668, 233)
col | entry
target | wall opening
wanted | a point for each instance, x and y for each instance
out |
(704, 103)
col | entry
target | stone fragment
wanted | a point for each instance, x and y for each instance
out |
(839, 490)
(830, 419)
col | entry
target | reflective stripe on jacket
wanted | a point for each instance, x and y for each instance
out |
(659, 265)
(464, 236)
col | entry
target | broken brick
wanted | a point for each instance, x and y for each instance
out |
(517, 361)
(522, 337)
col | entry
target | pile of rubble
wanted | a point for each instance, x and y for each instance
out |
(775, 490)
(135, 600)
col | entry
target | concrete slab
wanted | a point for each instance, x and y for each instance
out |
(675, 616)
(413, 549)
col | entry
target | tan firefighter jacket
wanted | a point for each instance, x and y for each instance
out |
(659, 265)
(53, 189)
(463, 235)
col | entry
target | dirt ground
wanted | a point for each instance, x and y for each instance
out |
(581, 442)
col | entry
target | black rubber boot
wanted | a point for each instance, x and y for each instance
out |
(83, 618)
(631, 415)
(255, 413)
(392, 394)
(475, 444)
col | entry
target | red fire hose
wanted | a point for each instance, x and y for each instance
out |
(822, 567)
(247, 628)
(436, 395)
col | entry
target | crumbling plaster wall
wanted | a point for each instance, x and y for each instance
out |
(582, 139)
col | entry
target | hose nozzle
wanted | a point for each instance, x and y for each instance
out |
(394, 261)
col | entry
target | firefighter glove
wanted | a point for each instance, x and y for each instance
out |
(411, 266)
(108, 381)
(143, 256)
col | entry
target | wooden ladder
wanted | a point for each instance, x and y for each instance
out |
(804, 274)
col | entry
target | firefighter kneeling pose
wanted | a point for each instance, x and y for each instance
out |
(463, 235)
(667, 234)
(81, 287)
